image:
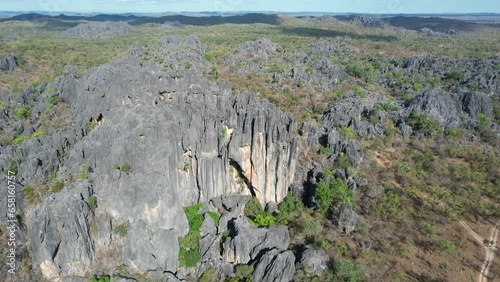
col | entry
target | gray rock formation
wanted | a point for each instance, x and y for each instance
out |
(475, 103)
(367, 22)
(97, 30)
(9, 62)
(479, 73)
(250, 242)
(347, 218)
(59, 234)
(437, 105)
(275, 266)
(313, 261)
(146, 249)
(186, 140)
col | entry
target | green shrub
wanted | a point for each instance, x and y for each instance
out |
(338, 93)
(56, 187)
(290, 204)
(417, 86)
(52, 176)
(123, 168)
(92, 202)
(208, 57)
(83, 173)
(31, 196)
(444, 245)
(347, 270)
(421, 122)
(263, 220)
(243, 274)
(23, 113)
(214, 71)
(224, 132)
(358, 90)
(89, 126)
(38, 134)
(342, 162)
(275, 69)
(388, 207)
(454, 75)
(189, 254)
(51, 102)
(121, 229)
(308, 70)
(12, 168)
(329, 192)
(215, 216)
(340, 248)
(453, 132)
(187, 166)
(103, 278)
(209, 275)
(253, 208)
(309, 114)
(19, 140)
(355, 69)
(404, 167)
(483, 120)
(194, 218)
(325, 151)
(280, 49)
(188, 65)
(346, 131)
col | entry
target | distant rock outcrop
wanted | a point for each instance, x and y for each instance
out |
(367, 21)
(97, 30)
(9, 62)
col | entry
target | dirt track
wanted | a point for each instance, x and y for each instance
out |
(489, 249)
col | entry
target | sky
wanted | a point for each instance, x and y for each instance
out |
(334, 6)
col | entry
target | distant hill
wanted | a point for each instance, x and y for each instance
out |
(136, 20)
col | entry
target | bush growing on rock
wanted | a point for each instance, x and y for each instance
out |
(253, 208)
(103, 278)
(332, 192)
(243, 274)
(263, 220)
(56, 187)
(189, 254)
(19, 140)
(23, 113)
(92, 202)
(121, 229)
(209, 275)
(38, 134)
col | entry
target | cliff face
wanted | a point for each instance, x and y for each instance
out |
(186, 140)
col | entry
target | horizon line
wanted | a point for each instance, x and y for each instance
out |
(249, 12)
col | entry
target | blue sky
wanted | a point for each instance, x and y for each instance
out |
(359, 6)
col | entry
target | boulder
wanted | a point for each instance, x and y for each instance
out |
(275, 266)
(313, 261)
(9, 62)
(347, 218)
(249, 242)
(438, 105)
(474, 103)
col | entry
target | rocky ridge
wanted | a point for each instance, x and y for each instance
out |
(184, 139)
